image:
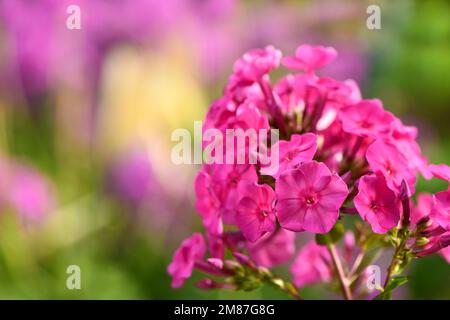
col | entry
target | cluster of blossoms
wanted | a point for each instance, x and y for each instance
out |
(340, 156)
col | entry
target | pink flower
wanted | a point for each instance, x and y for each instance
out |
(440, 171)
(377, 204)
(208, 202)
(440, 213)
(425, 202)
(336, 141)
(289, 100)
(404, 138)
(248, 117)
(445, 253)
(219, 113)
(255, 211)
(309, 198)
(384, 157)
(215, 240)
(217, 190)
(366, 118)
(312, 265)
(342, 92)
(191, 250)
(27, 192)
(273, 248)
(231, 177)
(299, 149)
(226, 115)
(256, 63)
(309, 58)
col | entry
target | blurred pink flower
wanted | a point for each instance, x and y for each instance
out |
(309, 58)
(440, 171)
(404, 138)
(312, 265)
(25, 191)
(273, 248)
(366, 118)
(38, 37)
(440, 212)
(256, 63)
(132, 177)
(191, 250)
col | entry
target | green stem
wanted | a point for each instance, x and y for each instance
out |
(343, 281)
(269, 278)
(395, 262)
(357, 263)
(403, 234)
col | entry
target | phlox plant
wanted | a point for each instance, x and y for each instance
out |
(339, 156)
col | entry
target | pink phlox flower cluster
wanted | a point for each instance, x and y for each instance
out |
(338, 153)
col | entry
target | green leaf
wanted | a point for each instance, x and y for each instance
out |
(385, 295)
(394, 283)
(331, 237)
(373, 241)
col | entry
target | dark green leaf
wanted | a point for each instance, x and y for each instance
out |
(394, 283)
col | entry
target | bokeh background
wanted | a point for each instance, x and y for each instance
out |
(86, 117)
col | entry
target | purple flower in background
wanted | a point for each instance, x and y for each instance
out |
(132, 177)
(30, 40)
(132, 180)
(25, 191)
(42, 53)
(29, 194)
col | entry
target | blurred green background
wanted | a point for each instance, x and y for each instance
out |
(86, 117)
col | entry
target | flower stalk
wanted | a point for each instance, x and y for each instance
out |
(343, 281)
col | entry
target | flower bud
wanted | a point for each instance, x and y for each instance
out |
(264, 272)
(422, 241)
(216, 263)
(278, 282)
(209, 268)
(441, 243)
(209, 284)
(423, 224)
(232, 266)
(433, 232)
(244, 259)
(405, 192)
(444, 241)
